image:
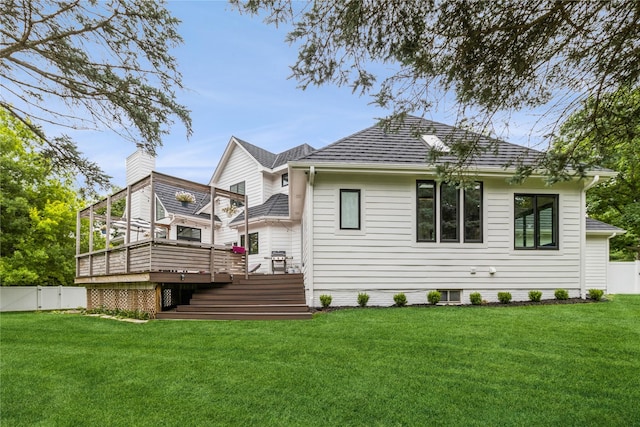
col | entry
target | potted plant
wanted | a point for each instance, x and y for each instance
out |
(185, 197)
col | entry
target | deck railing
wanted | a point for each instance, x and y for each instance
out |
(160, 255)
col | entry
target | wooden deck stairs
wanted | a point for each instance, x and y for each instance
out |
(261, 297)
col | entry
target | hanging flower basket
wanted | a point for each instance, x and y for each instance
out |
(230, 210)
(185, 197)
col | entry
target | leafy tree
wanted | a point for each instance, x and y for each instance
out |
(612, 140)
(109, 62)
(37, 212)
(495, 56)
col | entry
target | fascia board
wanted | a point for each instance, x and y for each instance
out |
(262, 219)
(413, 169)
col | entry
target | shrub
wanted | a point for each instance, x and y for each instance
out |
(363, 299)
(535, 296)
(325, 300)
(504, 297)
(561, 294)
(400, 299)
(434, 297)
(595, 294)
(475, 298)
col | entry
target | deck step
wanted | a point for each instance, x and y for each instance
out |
(243, 308)
(216, 315)
(261, 297)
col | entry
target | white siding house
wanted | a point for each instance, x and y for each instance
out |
(265, 178)
(384, 249)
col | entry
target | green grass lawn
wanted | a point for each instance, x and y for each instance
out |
(539, 365)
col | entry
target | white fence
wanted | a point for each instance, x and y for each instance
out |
(30, 298)
(623, 278)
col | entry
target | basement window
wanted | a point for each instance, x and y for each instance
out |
(450, 296)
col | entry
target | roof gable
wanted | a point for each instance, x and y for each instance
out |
(263, 157)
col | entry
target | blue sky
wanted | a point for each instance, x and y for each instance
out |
(236, 75)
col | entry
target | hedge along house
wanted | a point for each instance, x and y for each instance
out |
(376, 218)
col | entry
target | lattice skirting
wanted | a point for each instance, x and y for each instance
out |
(124, 299)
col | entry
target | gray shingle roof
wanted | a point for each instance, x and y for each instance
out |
(404, 146)
(276, 205)
(271, 160)
(595, 225)
(167, 195)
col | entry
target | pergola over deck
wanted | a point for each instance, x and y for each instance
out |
(108, 251)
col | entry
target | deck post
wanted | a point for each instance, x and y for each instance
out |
(107, 236)
(246, 237)
(91, 240)
(152, 214)
(78, 240)
(213, 232)
(127, 233)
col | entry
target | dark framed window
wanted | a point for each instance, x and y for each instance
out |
(254, 243)
(536, 221)
(349, 209)
(426, 211)
(285, 179)
(189, 233)
(449, 213)
(237, 188)
(460, 212)
(473, 213)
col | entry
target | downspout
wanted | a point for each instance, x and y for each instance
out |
(583, 236)
(310, 228)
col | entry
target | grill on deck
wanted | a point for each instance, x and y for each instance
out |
(278, 261)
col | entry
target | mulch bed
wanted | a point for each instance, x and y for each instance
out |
(489, 304)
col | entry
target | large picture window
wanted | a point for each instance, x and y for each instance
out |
(536, 221)
(254, 246)
(350, 209)
(460, 212)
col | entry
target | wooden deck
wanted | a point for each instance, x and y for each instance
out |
(160, 261)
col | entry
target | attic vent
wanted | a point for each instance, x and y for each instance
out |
(435, 142)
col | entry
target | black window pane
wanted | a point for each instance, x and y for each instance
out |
(473, 213)
(426, 211)
(448, 213)
(546, 207)
(524, 222)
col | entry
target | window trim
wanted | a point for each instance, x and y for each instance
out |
(284, 180)
(555, 225)
(359, 202)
